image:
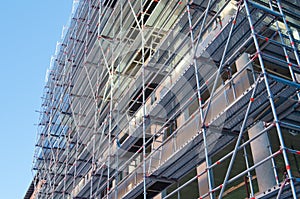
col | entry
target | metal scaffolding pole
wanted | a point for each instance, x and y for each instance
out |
(203, 126)
(249, 173)
(142, 28)
(110, 130)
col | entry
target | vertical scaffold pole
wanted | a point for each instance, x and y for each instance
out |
(204, 130)
(143, 103)
(118, 110)
(248, 173)
(110, 127)
(276, 121)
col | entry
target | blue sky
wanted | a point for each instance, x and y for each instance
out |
(29, 31)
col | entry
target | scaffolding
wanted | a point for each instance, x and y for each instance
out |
(172, 99)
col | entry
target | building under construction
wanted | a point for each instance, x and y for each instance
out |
(172, 99)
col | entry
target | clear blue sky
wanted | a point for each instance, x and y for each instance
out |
(29, 31)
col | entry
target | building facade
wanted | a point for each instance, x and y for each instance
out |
(172, 99)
